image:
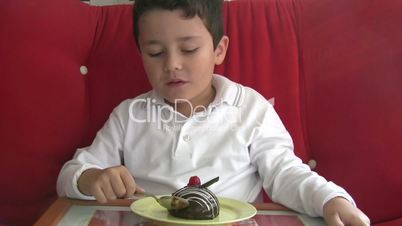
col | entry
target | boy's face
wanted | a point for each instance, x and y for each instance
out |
(178, 55)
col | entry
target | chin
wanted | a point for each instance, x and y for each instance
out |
(177, 98)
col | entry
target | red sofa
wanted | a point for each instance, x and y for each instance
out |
(334, 68)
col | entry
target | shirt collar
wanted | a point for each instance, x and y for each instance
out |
(227, 91)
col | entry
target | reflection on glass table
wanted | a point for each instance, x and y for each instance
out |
(66, 212)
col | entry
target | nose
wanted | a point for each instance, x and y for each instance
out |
(173, 62)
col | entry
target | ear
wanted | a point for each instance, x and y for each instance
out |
(220, 50)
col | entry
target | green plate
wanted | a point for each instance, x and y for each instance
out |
(231, 211)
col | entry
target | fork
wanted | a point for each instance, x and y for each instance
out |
(169, 202)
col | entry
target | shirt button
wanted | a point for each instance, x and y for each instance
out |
(83, 70)
(312, 163)
(186, 138)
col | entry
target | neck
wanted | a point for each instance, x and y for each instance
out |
(197, 104)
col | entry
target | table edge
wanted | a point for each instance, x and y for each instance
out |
(55, 212)
(59, 208)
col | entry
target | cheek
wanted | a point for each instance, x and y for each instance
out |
(204, 62)
(152, 78)
(205, 68)
(151, 73)
(151, 68)
(148, 64)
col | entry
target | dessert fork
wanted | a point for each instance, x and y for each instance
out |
(167, 201)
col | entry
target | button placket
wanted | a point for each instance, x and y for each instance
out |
(186, 138)
(183, 148)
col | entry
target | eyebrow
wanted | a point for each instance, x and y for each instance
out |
(181, 39)
(186, 38)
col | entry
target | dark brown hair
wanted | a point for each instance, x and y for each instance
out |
(210, 11)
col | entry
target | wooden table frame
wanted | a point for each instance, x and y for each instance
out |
(60, 207)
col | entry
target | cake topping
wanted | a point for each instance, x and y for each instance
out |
(194, 181)
(203, 204)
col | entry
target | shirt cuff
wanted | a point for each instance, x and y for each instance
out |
(337, 191)
(77, 175)
(341, 195)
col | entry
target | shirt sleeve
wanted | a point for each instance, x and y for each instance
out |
(285, 178)
(104, 152)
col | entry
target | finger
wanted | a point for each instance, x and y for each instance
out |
(129, 183)
(99, 196)
(364, 218)
(139, 189)
(359, 220)
(118, 186)
(108, 191)
(334, 220)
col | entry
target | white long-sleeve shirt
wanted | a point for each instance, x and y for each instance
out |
(238, 137)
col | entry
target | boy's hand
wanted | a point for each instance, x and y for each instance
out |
(339, 212)
(108, 184)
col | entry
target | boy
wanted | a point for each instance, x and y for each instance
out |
(196, 123)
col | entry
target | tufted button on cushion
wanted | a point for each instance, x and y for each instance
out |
(83, 70)
(312, 163)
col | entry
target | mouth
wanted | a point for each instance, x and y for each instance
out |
(175, 82)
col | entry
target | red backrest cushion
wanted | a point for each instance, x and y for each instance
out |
(352, 95)
(263, 54)
(49, 108)
(44, 111)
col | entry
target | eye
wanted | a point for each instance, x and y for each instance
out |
(155, 54)
(189, 51)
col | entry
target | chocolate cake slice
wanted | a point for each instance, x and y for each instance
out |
(203, 202)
